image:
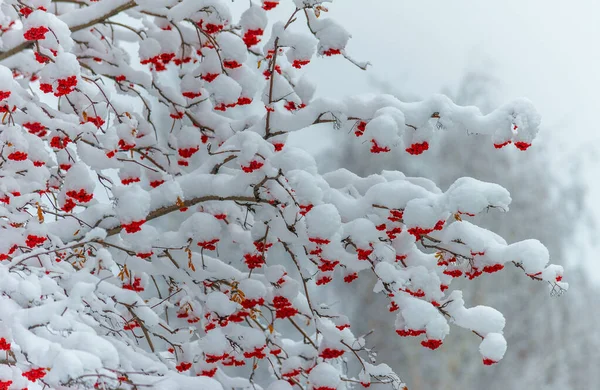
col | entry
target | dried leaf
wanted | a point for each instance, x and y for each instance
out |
(40, 213)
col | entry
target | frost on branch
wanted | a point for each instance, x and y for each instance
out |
(157, 231)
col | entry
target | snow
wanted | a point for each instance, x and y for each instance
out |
(153, 205)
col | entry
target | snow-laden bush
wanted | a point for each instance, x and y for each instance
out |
(158, 232)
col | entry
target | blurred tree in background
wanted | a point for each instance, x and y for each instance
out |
(552, 349)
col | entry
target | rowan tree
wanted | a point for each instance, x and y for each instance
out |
(158, 231)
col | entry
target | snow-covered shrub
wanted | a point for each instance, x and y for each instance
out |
(158, 232)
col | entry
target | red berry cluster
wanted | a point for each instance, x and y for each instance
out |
(454, 273)
(210, 28)
(135, 286)
(183, 366)
(123, 145)
(41, 58)
(291, 106)
(323, 280)
(208, 373)
(144, 255)
(363, 254)
(35, 128)
(209, 245)
(292, 373)
(475, 272)
(35, 33)
(131, 325)
(231, 64)
(35, 374)
(191, 94)
(376, 148)
(416, 149)
(319, 241)
(187, 152)
(5, 385)
(209, 77)
(332, 52)
(130, 180)
(269, 5)
(96, 120)
(418, 231)
(32, 240)
(300, 63)
(80, 196)
(360, 128)
(283, 307)
(4, 95)
(330, 353)
(350, 277)
(134, 226)
(4, 345)
(522, 145)
(305, 209)
(431, 343)
(159, 62)
(256, 353)
(500, 146)
(156, 183)
(66, 86)
(327, 265)
(17, 156)
(60, 142)
(410, 332)
(252, 166)
(253, 260)
(493, 268)
(215, 358)
(250, 303)
(252, 37)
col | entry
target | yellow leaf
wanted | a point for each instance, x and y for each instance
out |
(457, 217)
(259, 63)
(40, 214)
(76, 233)
(271, 328)
(85, 116)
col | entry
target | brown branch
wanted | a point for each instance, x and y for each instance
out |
(187, 203)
